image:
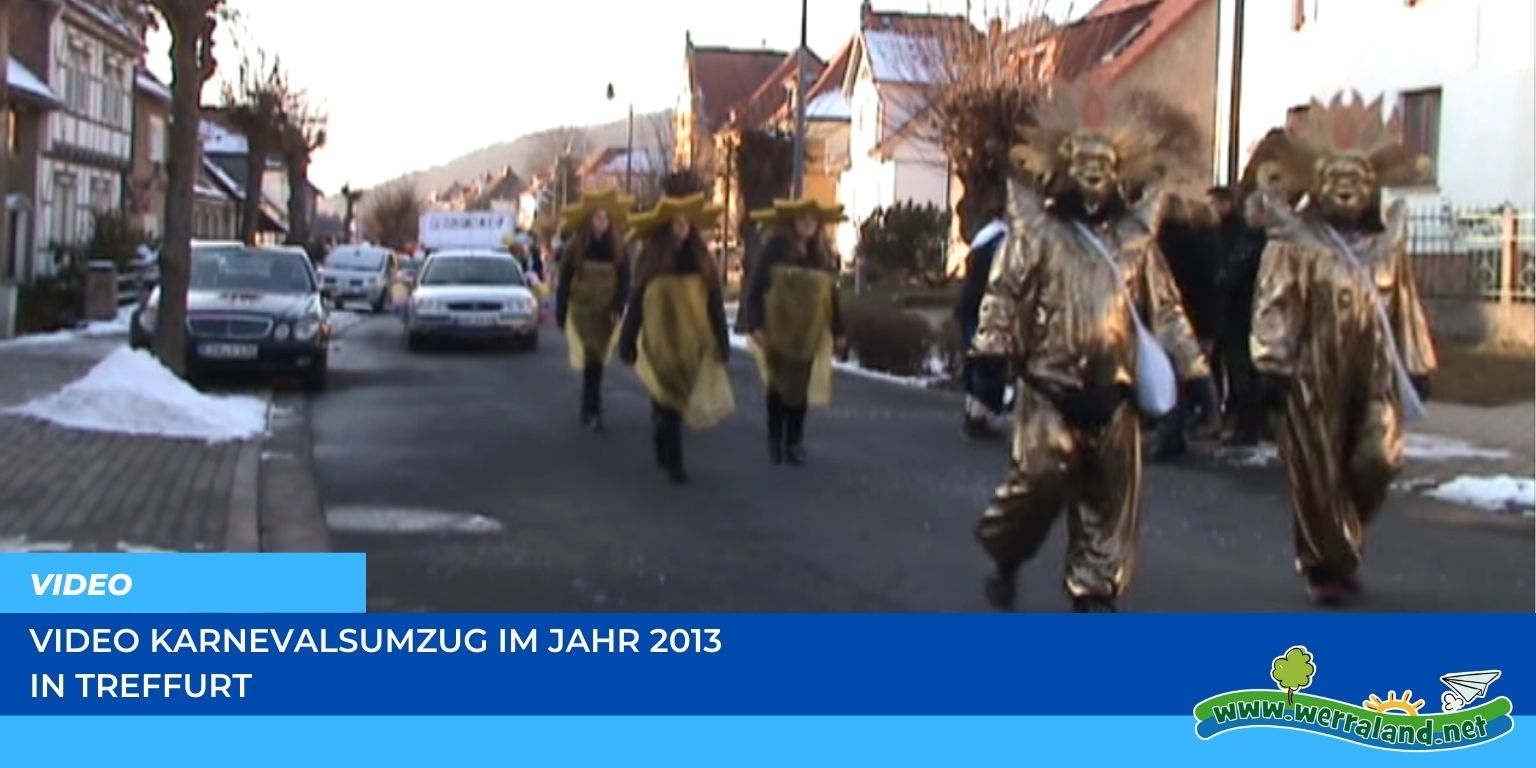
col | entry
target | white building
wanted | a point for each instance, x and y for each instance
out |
(87, 144)
(893, 155)
(1461, 71)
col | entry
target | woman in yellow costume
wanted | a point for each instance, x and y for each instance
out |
(1083, 305)
(590, 295)
(791, 312)
(674, 330)
(1339, 335)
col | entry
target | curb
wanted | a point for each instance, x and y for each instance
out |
(243, 533)
(292, 518)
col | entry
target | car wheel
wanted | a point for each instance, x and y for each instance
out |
(378, 303)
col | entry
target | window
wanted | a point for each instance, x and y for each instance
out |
(77, 86)
(65, 204)
(113, 107)
(1421, 125)
(156, 139)
(101, 195)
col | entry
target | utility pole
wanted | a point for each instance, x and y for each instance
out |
(799, 183)
(1234, 116)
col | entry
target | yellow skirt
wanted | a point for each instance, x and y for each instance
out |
(677, 358)
(798, 362)
(591, 332)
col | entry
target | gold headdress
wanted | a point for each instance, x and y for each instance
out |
(695, 208)
(1073, 115)
(617, 206)
(1351, 129)
(784, 212)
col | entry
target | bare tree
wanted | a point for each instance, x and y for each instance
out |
(303, 132)
(352, 198)
(549, 146)
(254, 106)
(392, 216)
(191, 24)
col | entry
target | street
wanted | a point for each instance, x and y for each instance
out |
(466, 478)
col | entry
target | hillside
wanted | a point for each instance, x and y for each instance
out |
(528, 154)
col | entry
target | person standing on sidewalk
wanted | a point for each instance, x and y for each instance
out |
(674, 331)
(791, 313)
(593, 285)
(985, 379)
(1083, 305)
(1339, 333)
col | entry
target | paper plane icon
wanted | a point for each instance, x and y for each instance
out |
(1466, 687)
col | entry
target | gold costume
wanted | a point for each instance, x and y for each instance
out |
(1337, 314)
(798, 361)
(678, 359)
(591, 326)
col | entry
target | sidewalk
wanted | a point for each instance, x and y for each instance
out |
(69, 490)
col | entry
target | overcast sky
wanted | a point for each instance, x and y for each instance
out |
(411, 85)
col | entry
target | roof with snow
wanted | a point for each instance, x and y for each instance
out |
(219, 140)
(110, 18)
(644, 162)
(148, 83)
(902, 58)
(826, 100)
(29, 86)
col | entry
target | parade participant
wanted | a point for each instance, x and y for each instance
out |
(791, 313)
(985, 379)
(674, 329)
(1339, 334)
(593, 286)
(1066, 304)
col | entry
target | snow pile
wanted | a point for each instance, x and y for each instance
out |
(935, 367)
(1500, 493)
(1437, 448)
(115, 327)
(129, 392)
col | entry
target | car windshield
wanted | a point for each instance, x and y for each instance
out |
(251, 269)
(366, 261)
(488, 270)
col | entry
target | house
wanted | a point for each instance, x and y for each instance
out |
(1460, 72)
(216, 203)
(30, 100)
(501, 193)
(893, 153)
(87, 55)
(640, 171)
(827, 119)
(226, 149)
(1163, 47)
(144, 198)
(719, 80)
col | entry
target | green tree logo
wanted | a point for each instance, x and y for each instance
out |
(1293, 672)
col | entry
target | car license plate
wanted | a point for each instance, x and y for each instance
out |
(477, 320)
(228, 351)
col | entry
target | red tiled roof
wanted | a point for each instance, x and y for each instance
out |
(770, 96)
(1084, 44)
(1161, 19)
(725, 78)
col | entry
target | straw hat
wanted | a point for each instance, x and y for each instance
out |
(617, 206)
(700, 213)
(786, 211)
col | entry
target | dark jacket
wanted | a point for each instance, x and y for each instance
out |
(1194, 256)
(1242, 248)
(601, 254)
(778, 251)
(688, 262)
(978, 271)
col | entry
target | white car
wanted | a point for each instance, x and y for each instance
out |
(362, 273)
(472, 295)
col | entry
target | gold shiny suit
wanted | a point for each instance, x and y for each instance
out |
(1315, 323)
(1063, 315)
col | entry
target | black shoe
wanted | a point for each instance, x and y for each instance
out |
(1001, 591)
(977, 429)
(595, 423)
(1094, 604)
(1331, 590)
(677, 476)
(776, 453)
(795, 456)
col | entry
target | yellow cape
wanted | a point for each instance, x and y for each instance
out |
(591, 332)
(798, 325)
(677, 357)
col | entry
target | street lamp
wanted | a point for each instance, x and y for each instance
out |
(799, 178)
(629, 146)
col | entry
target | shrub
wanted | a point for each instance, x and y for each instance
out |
(49, 304)
(888, 339)
(905, 243)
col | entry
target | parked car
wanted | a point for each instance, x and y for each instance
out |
(250, 309)
(362, 273)
(472, 295)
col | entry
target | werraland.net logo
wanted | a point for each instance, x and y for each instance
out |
(1395, 722)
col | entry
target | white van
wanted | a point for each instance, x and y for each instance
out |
(360, 272)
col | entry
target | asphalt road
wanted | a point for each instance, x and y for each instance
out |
(465, 477)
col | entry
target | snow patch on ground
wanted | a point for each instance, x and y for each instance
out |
(107, 328)
(343, 320)
(935, 366)
(129, 392)
(23, 544)
(1500, 493)
(387, 520)
(1417, 447)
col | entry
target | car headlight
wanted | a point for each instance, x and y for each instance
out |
(306, 329)
(429, 305)
(282, 332)
(521, 305)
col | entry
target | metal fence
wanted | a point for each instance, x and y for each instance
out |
(1474, 254)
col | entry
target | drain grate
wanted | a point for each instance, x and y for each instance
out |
(391, 520)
